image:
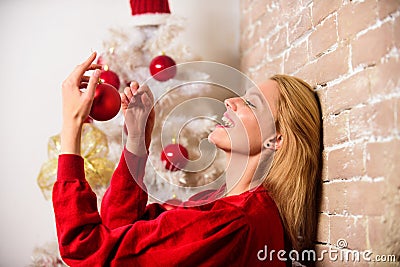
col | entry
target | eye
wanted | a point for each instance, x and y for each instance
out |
(248, 103)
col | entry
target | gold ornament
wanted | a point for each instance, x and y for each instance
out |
(94, 150)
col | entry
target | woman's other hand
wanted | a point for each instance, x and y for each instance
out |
(77, 103)
(137, 106)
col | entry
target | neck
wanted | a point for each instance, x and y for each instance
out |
(240, 172)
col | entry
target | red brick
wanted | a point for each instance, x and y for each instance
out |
(392, 231)
(365, 198)
(376, 231)
(373, 45)
(254, 56)
(324, 36)
(332, 65)
(295, 58)
(324, 205)
(383, 122)
(382, 159)
(268, 69)
(354, 231)
(385, 77)
(323, 228)
(299, 25)
(336, 129)
(306, 3)
(355, 17)
(248, 39)
(346, 162)
(335, 197)
(321, 9)
(396, 30)
(377, 120)
(288, 9)
(397, 129)
(349, 92)
(322, 94)
(387, 7)
(277, 43)
(324, 172)
(268, 23)
(359, 122)
(258, 8)
(308, 73)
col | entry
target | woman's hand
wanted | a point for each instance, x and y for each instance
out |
(77, 103)
(137, 106)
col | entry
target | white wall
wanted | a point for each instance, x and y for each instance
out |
(41, 41)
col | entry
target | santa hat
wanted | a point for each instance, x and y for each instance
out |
(149, 12)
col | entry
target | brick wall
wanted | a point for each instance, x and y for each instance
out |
(349, 51)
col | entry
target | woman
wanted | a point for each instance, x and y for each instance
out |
(250, 225)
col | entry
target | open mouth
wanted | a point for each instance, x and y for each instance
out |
(227, 122)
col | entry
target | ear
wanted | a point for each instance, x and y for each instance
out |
(279, 141)
(273, 143)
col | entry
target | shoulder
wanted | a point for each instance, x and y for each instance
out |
(257, 199)
(258, 207)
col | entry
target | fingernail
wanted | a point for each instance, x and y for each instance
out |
(96, 73)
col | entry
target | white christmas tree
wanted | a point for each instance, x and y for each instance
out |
(128, 52)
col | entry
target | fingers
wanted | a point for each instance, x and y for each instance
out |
(135, 93)
(78, 72)
(124, 100)
(128, 92)
(134, 86)
(144, 89)
(95, 67)
(85, 79)
(83, 85)
(91, 88)
(146, 100)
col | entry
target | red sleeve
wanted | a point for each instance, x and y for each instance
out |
(183, 237)
(125, 201)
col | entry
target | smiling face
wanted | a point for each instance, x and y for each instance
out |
(248, 122)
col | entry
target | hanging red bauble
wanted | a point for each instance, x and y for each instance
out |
(110, 77)
(106, 102)
(163, 68)
(88, 120)
(174, 157)
(172, 203)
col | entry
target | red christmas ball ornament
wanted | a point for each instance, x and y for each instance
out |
(163, 68)
(88, 120)
(106, 102)
(174, 157)
(110, 77)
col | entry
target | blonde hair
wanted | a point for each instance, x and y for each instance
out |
(294, 174)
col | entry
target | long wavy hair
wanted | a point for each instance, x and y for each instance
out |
(294, 177)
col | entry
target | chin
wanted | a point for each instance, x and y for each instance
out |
(219, 139)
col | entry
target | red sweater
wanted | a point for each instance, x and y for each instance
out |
(230, 231)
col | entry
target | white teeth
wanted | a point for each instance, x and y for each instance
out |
(227, 122)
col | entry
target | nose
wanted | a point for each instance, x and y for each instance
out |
(231, 103)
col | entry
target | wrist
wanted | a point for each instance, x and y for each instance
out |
(136, 146)
(71, 139)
